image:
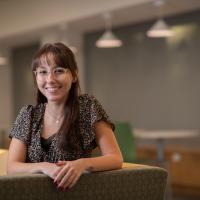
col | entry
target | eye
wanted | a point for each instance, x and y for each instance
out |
(59, 70)
(42, 72)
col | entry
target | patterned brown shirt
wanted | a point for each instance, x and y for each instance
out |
(29, 123)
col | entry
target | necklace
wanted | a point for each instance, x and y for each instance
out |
(57, 119)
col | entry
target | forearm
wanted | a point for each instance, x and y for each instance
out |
(102, 163)
(20, 167)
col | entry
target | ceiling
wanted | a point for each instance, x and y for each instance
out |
(138, 13)
(25, 20)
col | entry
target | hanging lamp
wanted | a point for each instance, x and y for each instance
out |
(3, 59)
(108, 39)
(160, 28)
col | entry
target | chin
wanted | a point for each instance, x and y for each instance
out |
(55, 99)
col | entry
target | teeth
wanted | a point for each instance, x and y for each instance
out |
(52, 89)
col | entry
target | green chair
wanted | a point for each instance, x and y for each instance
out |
(125, 139)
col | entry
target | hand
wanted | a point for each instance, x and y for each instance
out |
(50, 169)
(70, 172)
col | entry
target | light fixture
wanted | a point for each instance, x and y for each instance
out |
(160, 27)
(3, 58)
(3, 61)
(108, 39)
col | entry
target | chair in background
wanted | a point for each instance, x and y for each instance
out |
(125, 139)
(3, 161)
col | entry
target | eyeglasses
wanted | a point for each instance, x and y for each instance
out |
(57, 72)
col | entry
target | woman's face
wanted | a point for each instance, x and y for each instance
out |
(53, 81)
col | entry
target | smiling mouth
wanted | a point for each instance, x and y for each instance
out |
(52, 89)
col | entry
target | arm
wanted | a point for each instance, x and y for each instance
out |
(17, 157)
(111, 158)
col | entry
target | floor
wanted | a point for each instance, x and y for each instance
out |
(177, 197)
(185, 198)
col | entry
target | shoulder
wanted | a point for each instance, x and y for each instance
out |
(26, 108)
(25, 111)
(87, 99)
(32, 108)
(91, 106)
(30, 112)
(38, 109)
(89, 103)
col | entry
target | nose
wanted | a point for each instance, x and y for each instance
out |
(50, 76)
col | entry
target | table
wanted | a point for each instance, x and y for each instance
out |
(161, 135)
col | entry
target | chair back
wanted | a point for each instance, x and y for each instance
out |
(125, 139)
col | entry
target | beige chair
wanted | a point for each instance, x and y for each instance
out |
(3, 160)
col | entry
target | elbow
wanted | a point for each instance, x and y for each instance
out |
(119, 162)
(10, 169)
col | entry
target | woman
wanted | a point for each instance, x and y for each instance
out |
(56, 137)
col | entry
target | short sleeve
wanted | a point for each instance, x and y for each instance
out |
(22, 125)
(91, 111)
(98, 113)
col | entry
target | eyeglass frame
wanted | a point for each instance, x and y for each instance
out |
(51, 71)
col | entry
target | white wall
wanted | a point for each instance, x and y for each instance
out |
(152, 83)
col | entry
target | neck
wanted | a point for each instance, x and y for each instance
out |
(55, 108)
(56, 113)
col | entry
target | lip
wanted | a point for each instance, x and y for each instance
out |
(52, 89)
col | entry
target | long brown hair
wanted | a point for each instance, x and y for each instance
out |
(70, 137)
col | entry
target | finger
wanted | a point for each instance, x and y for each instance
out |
(61, 173)
(65, 179)
(68, 181)
(74, 181)
(56, 172)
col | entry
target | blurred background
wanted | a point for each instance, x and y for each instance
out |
(140, 58)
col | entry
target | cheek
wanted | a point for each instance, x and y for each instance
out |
(68, 82)
(39, 84)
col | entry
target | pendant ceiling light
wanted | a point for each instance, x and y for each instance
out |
(160, 28)
(108, 39)
(3, 59)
